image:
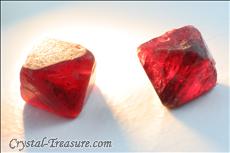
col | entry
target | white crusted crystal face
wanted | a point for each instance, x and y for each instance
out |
(52, 51)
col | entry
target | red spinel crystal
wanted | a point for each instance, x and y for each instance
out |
(57, 77)
(178, 65)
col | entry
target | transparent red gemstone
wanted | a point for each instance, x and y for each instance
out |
(60, 88)
(178, 65)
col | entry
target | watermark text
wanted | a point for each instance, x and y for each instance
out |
(20, 145)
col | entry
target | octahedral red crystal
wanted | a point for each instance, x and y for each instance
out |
(58, 77)
(178, 65)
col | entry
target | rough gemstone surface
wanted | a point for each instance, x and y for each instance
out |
(178, 65)
(57, 77)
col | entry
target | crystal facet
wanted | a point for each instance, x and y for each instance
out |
(57, 77)
(178, 65)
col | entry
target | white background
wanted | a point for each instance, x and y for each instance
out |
(123, 106)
